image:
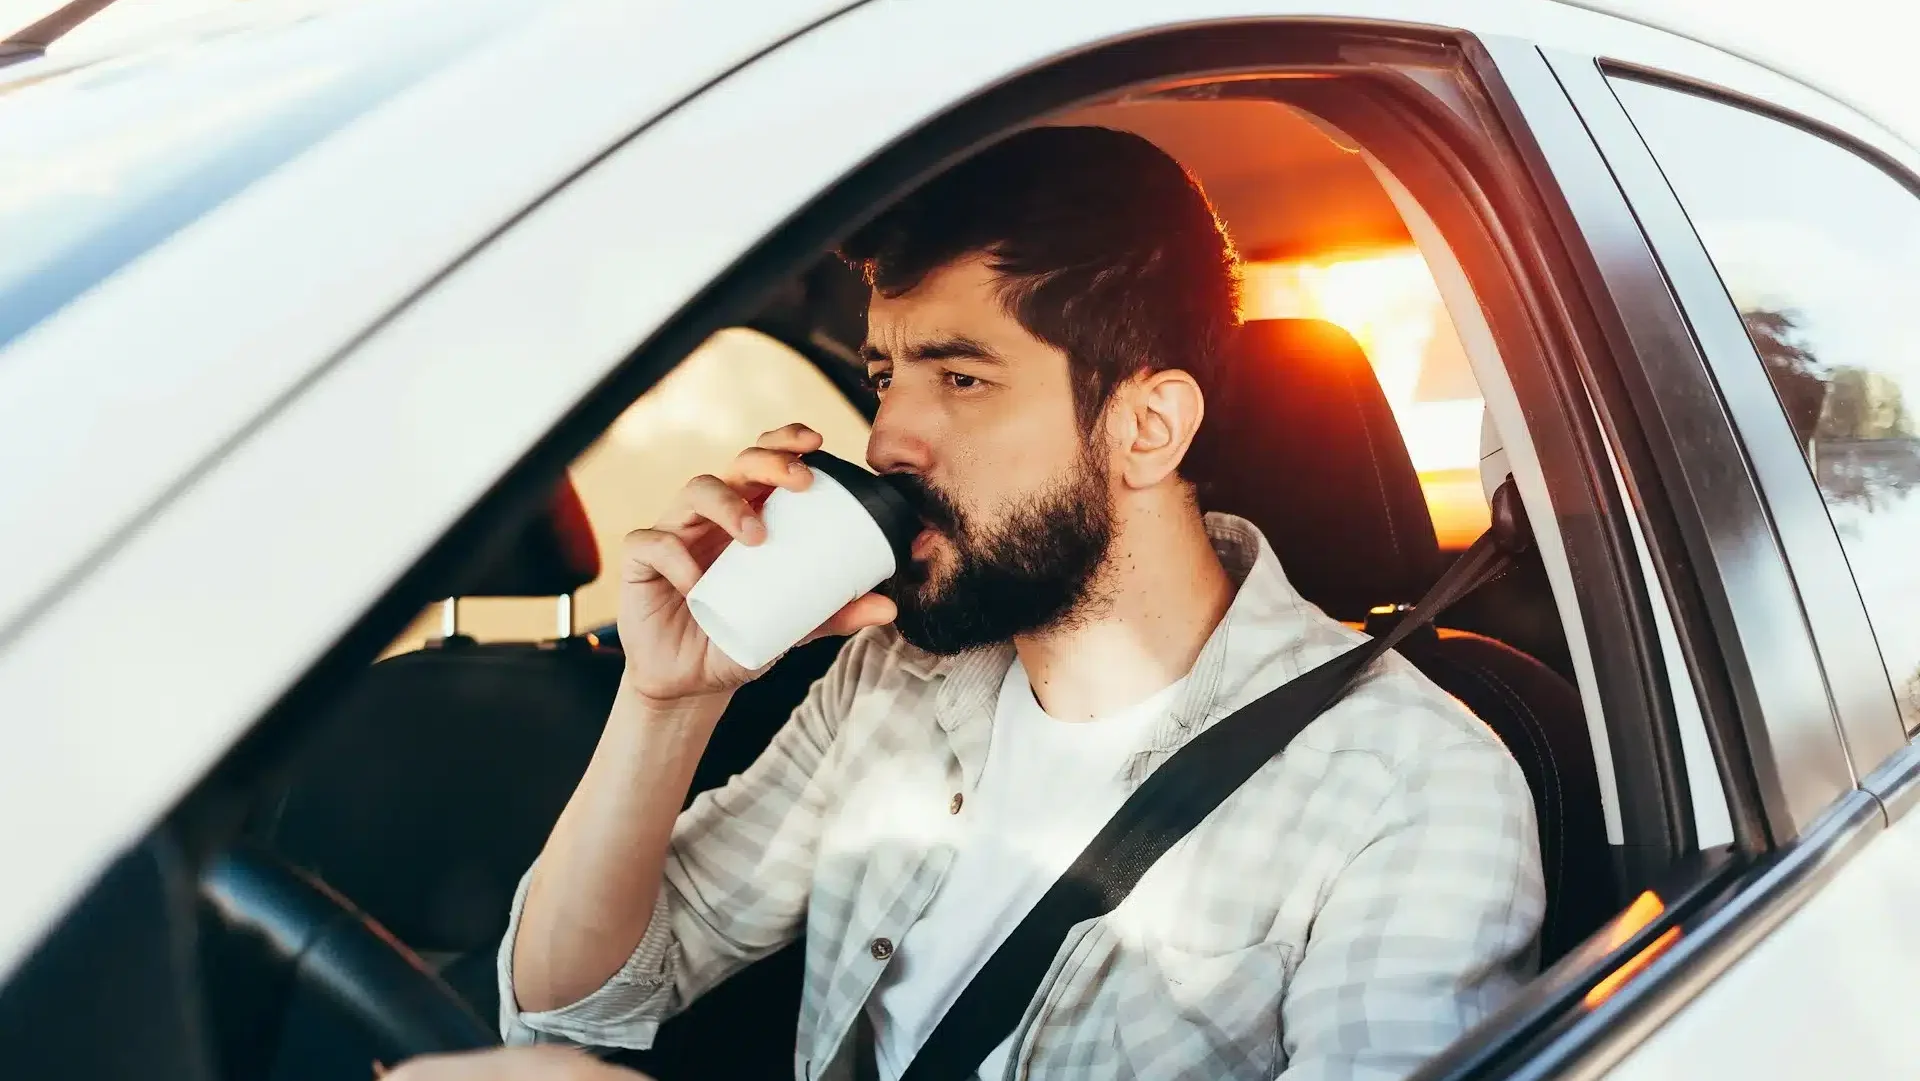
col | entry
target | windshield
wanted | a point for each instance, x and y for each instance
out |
(107, 156)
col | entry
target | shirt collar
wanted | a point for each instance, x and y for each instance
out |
(1267, 615)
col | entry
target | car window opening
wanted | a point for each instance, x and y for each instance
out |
(1366, 285)
(1355, 299)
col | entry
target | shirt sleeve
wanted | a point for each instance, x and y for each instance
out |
(1430, 927)
(738, 872)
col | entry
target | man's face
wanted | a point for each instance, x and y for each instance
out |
(1017, 499)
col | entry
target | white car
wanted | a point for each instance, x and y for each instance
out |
(305, 309)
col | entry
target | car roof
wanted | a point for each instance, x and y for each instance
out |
(186, 29)
(1836, 54)
(111, 151)
(1865, 71)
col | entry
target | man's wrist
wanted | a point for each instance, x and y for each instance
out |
(680, 711)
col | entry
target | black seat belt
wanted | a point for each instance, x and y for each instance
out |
(1174, 799)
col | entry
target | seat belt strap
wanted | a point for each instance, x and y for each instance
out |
(1174, 799)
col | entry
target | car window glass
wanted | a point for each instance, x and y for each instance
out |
(1820, 250)
(738, 384)
(105, 159)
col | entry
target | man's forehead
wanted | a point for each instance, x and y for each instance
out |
(900, 343)
(956, 290)
(956, 310)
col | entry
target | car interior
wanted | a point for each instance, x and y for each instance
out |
(1348, 429)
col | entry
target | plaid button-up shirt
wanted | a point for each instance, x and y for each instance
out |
(1356, 905)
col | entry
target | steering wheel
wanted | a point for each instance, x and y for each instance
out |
(278, 930)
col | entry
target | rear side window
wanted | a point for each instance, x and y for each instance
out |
(1820, 250)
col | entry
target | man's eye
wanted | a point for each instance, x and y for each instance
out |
(879, 381)
(962, 380)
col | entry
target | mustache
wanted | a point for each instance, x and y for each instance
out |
(935, 508)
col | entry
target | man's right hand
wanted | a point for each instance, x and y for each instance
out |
(669, 658)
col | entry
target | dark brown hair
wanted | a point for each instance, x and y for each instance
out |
(1107, 250)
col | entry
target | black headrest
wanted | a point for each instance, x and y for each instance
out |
(551, 554)
(1299, 439)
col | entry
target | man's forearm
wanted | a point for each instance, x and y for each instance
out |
(594, 887)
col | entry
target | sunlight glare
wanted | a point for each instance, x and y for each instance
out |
(1390, 304)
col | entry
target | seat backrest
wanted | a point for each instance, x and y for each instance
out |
(1300, 440)
(443, 769)
(1538, 715)
(1298, 430)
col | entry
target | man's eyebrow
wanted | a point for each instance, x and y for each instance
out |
(958, 347)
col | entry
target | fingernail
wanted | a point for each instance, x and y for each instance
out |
(753, 528)
(797, 468)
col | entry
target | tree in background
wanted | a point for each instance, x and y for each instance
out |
(1798, 377)
(1864, 405)
(1910, 701)
(1852, 423)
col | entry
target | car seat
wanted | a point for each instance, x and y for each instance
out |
(442, 770)
(1300, 440)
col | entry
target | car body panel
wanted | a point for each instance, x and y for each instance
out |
(1827, 991)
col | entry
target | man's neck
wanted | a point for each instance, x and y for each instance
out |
(1155, 602)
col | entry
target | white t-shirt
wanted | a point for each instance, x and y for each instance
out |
(1047, 788)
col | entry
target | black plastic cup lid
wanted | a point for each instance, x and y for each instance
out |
(884, 503)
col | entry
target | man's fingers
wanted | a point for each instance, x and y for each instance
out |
(730, 502)
(654, 553)
(713, 499)
(797, 438)
(765, 468)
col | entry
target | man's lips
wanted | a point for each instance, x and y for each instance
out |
(922, 546)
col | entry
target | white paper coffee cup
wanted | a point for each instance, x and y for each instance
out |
(844, 535)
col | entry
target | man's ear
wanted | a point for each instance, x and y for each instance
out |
(1160, 412)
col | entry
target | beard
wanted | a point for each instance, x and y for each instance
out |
(1033, 571)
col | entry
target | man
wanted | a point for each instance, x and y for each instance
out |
(1043, 322)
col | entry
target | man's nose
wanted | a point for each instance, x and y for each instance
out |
(899, 442)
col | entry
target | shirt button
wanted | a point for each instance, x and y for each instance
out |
(881, 949)
(953, 807)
